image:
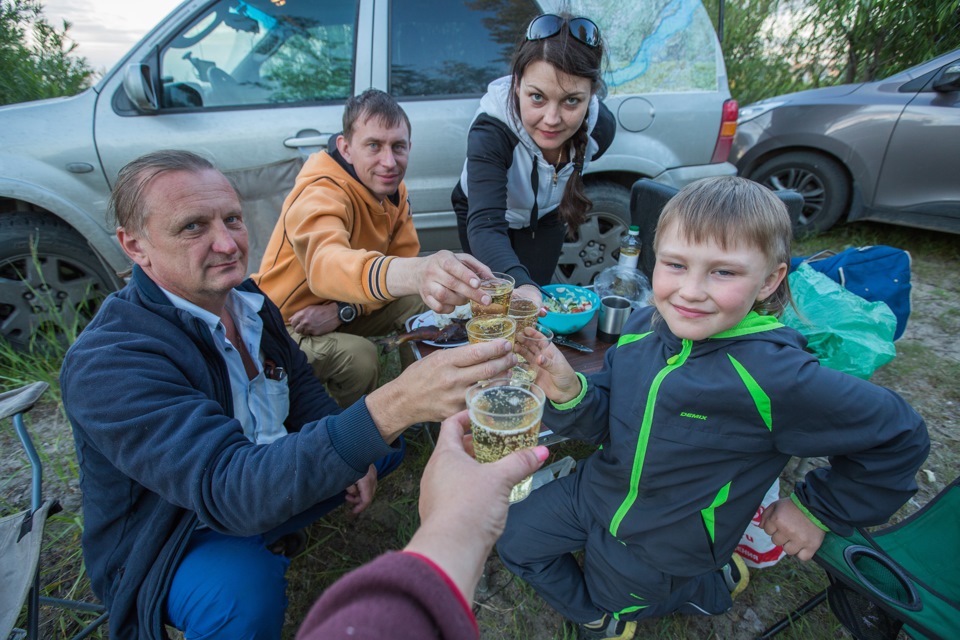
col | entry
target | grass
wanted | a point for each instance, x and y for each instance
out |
(63, 574)
(509, 608)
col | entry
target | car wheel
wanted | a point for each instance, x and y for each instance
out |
(49, 277)
(821, 181)
(596, 244)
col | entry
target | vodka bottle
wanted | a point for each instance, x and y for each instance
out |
(630, 248)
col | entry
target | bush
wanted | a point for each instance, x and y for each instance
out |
(36, 57)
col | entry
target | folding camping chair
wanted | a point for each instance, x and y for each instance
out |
(647, 199)
(21, 535)
(904, 576)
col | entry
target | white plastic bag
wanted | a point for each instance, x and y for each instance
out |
(756, 548)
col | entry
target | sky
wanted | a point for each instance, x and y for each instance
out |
(106, 29)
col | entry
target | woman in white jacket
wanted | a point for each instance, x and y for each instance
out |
(536, 131)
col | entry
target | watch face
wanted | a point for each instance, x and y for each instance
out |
(347, 313)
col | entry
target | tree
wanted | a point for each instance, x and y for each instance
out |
(36, 57)
(755, 43)
(865, 40)
(773, 47)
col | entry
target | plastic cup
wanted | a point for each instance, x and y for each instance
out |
(525, 311)
(505, 417)
(526, 370)
(500, 290)
(486, 328)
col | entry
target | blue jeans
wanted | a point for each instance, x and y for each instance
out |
(234, 587)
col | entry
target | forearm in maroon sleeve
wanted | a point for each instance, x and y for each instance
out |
(402, 596)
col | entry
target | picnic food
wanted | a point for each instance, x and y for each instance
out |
(453, 332)
(567, 301)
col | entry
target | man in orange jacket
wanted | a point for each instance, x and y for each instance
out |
(342, 260)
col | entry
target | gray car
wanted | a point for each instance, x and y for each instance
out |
(886, 151)
(259, 85)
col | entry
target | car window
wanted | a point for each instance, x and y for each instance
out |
(261, 52)
(453, 48)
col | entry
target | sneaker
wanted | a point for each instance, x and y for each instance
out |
(608, 628)
(735, 575)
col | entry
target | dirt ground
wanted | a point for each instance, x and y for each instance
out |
(925, 372)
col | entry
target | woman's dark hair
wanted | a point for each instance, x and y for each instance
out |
(569, 55)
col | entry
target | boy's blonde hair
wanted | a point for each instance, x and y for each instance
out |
(733, 211)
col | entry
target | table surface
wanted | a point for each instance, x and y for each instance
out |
(585, 363)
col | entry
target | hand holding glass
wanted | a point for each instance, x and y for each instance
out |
(539, 339)
(500, 289)
(505, 417)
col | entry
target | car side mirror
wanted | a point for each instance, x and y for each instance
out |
(139, 88)
(949, 79)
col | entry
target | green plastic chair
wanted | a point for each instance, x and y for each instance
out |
(906, 576)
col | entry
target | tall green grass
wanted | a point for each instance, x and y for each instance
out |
(62, 572)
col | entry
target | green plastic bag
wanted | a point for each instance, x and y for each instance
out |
(845, 331)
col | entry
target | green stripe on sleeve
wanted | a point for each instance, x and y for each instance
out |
(570, 404)
(814, 519)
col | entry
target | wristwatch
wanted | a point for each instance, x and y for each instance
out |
(346, 312)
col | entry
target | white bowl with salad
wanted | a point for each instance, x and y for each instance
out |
(570, 309)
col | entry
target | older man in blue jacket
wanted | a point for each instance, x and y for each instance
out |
(203, 436)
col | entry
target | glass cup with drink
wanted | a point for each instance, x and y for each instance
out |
(486, 328)
(525, 311)
(526, 370)
(500, 289)
(505, 417)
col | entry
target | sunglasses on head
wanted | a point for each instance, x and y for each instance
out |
(549, 25)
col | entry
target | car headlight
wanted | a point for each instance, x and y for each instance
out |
(757, 109)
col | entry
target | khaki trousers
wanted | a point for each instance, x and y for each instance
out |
(345, 361)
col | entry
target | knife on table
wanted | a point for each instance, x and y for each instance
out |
(567, 342)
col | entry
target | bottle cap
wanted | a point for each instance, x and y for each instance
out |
(634, 230)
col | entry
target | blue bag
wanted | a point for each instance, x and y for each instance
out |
(878, 274)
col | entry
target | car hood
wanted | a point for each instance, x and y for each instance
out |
(63, 119)
(48, 155)
(837, 91)
(34, 104)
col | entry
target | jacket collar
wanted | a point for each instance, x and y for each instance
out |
(346, 166)
(151, 292)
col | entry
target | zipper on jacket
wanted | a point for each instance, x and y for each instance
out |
(224, 391)
(640, 454)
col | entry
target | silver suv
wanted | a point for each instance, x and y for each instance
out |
(258, 85)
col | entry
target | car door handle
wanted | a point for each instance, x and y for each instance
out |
(313, 139)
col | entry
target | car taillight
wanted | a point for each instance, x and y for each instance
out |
(728, 128)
